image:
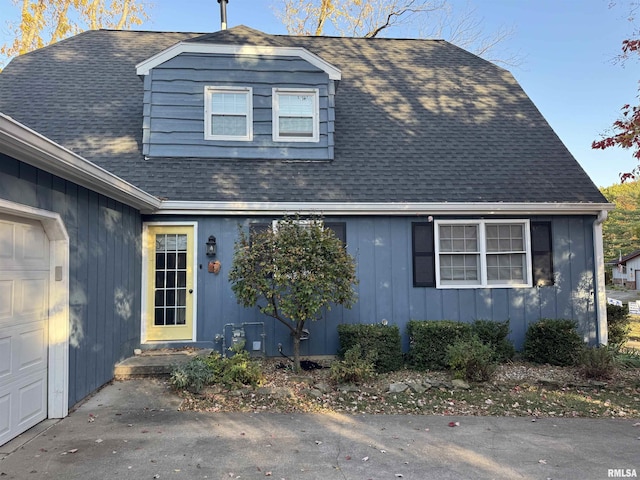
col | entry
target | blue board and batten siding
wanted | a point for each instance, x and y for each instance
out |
(174, 106)
(382, 248)
(104, 270)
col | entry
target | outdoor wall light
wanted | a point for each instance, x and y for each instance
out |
(211, 246)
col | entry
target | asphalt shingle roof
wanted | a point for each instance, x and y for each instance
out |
(416, 121)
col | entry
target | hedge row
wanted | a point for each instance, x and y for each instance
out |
(552, 341)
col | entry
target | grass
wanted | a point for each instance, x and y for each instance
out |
(634, 335)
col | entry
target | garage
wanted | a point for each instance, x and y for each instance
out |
(24, 324)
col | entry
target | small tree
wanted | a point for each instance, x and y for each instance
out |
(291, 273)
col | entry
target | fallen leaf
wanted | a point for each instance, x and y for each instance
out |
(348, 457)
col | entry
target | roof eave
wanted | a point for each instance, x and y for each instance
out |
(28, 146)
(144, 67)
(169, 207)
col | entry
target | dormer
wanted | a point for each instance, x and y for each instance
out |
(210, 99)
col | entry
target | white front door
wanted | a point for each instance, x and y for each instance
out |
(24, 307)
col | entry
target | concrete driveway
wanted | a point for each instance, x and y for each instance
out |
(132, 430)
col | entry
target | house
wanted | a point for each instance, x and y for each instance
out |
(624, 270)
(138, 155)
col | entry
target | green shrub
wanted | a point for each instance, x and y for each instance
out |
(428, 342)
(628, 358)
(193, 375)
(553, 341)
(495, 335)
(619, 325)
(356, 367)
(597, 362)
(199, 372)
(241, 370)
(471, 359)
(382, 340)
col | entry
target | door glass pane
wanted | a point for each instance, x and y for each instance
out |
(171, 297)
(182, 260)
(159, 317)
(170, 316)
(160, 298)
(182, 317)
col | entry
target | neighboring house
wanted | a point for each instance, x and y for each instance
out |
(450, 189)
(624, 270)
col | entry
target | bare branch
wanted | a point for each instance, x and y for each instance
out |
(372, 18)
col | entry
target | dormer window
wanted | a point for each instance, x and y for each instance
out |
(295, 115)
(228, 113)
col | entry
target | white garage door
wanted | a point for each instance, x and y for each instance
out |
(24, 290)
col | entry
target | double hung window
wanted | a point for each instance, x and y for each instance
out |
(295, 115)
(481, 253)
(228, 113)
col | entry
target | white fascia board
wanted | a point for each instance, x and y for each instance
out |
(143, 68)
(396, 209)
(28, 146)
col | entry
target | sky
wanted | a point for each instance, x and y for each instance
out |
(567, 49)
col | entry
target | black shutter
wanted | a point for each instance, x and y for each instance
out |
(339, 229)
(424, 259)
(256, 228)
(541, 254)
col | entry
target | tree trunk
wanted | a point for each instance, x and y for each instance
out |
(296, 351)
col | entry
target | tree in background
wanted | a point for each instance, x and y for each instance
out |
(621, 231)
(43, 22)
(626, 130)
(292, 273)
(372, 18)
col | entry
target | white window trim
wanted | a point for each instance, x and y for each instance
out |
(209, 90)
(482, 281)
(302, 223)
(276, 114)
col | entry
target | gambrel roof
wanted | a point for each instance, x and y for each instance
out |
(415, 121)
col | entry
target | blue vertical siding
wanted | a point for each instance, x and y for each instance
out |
(382, 249)
(174, 98)
(104, 270)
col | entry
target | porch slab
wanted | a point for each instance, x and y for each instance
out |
(155, 363)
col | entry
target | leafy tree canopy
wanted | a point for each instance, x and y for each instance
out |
(292, 273)
(621, 231)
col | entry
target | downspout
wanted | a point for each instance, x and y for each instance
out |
(602, 332)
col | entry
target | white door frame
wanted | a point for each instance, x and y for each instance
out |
(146, 280)
(58, 361)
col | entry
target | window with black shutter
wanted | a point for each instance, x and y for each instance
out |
(542, 254)
(424, 267)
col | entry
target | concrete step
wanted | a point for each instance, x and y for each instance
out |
(152, 363)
